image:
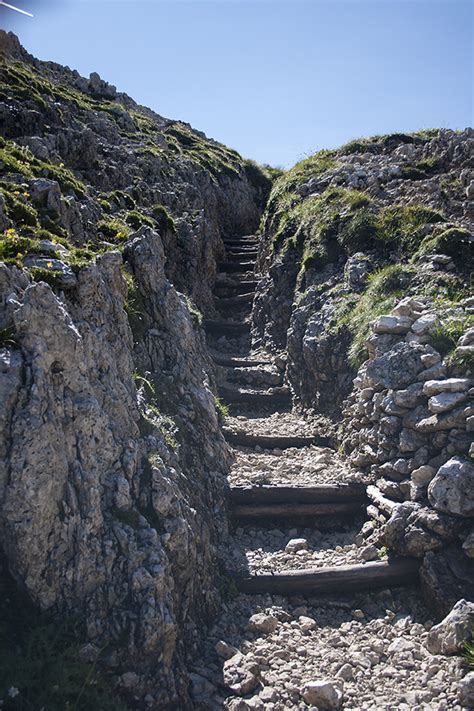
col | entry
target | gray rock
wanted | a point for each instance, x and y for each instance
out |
(447, 385)
(261, 622)
(452, 488)
(449, 635)
(466, 685)
(392, 324)
(445, 401)
(324, 694)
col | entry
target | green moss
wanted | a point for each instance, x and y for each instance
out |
(136, 219)
(163, 219)
(456, 242)
(135, 307)
(8, 338)
(114, 230)
(49, 276)
(196, 315)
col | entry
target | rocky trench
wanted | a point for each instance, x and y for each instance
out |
(115, 468)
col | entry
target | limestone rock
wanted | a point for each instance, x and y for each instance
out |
(452, 488)
(448, 636)
(260, 622)
(324, 694)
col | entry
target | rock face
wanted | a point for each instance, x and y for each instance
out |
(338, 232)
(112, 462)
(450, 635)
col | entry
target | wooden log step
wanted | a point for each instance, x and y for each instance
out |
(296, 510)
(238, 241)
(322, 493)
(340, 579)
(244, 256)
(233, 301)
(226, 328)
(231, 362)
(228, 267)
(275, 396)
(246, 439)
(231, 289)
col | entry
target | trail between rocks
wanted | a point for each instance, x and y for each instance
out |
(352, 650)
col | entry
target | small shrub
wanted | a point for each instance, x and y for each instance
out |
(114, 230)
(136, 219)
(222, 408)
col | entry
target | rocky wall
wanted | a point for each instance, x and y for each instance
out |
(409, 423)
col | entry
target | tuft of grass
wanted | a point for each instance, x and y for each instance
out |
(114, 230)
(445, 336)
(8, 338)
(136, 219)
(469, 652)
(222, 409)
(196, 316)
(163, 219)
(384, 287)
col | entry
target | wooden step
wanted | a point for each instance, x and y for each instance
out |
(235, 301)
(247, 256)
(226, 328)
(246, 439)
(226, 288)
(241, 241)
(296, 510)
(235, 362)
(322, 493)
(231, 267)
(339, 579)
(255, 397)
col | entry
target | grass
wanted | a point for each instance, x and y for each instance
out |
(384, 287)
(469, 652)
(455, 241)
(196, 316)
(8, 338)
(445, 336)
(114, 230)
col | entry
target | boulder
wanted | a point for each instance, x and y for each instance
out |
(449, 636)
(425, 324)
(466, 687)
(296, 544)
(452, 488)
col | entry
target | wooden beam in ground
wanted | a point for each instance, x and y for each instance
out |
(343, 578)
(354, 492)
(226, 327)
(254, 397)
(234, 362)
(381, 502)
(245, 439)
(296, 510)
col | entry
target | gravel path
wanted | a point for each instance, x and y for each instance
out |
(371, 647)
(307, 466)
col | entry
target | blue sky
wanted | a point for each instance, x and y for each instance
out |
(275, 79)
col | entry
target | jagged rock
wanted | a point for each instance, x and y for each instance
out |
(395, 369)
(392, 324)
(466, 685)
(452, 488)
(449, 636)
(445, 401)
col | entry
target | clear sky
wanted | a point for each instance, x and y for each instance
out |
(275, 79)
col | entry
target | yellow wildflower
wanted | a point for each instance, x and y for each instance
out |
(49, 264)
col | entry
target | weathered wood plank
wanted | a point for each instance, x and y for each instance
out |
(381, 501)
(298, 494)
(239, 395)
(344, 578)
(226, 327)
(295, 510)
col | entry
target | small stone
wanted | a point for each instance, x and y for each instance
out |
(358, 614)
(345, 672)
(425, 324)
(296, 544)
(307, 623)
(224, 650)
(324, 694)
(368, 553)
(423, 475)
(392, 324)
(260, 622)
(129, 680)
